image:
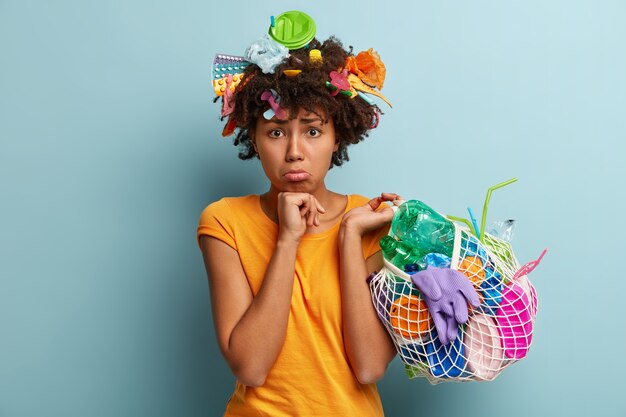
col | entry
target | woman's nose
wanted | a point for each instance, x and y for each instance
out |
(294, 150)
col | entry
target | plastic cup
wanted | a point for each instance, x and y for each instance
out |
(294, 29)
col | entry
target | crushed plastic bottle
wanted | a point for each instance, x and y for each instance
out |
(423, 229)
(503, 229)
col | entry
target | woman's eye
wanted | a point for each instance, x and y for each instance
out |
(314, 132)
(275, 133)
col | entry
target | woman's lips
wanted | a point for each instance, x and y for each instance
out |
(294, 176)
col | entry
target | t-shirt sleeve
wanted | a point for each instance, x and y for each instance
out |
(371, 241)
(216, 221)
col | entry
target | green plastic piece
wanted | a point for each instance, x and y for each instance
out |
(294, 29)
(460, 219)
(487, 198)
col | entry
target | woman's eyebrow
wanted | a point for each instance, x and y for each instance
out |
(302, 120)
(308, 120)
(274, 121)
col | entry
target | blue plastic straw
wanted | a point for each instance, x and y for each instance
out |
(476, 231)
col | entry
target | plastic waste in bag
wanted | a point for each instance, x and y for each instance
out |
(422, 227)
(401, 253)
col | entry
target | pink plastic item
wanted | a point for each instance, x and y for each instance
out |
(275, 109)
(515, 321)
(483, 347)
(228, 104)
(530, 292)
(529, 266)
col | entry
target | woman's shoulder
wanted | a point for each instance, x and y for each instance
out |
(355, 200)
(226, 206)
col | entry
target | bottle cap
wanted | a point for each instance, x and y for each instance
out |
(294, 29)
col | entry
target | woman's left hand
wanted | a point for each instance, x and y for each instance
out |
(365, 218)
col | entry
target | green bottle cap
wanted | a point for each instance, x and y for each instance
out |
(293, 29)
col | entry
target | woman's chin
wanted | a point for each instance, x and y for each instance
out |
(298, 186)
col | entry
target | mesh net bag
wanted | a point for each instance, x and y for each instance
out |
(496, 335)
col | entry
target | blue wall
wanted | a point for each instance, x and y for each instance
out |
(110, 147)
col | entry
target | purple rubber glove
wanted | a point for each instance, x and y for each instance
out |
(446, 293)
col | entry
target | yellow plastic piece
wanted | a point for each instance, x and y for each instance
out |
(220, 85)
(291, 72)
(315, 56)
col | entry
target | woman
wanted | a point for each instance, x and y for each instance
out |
(287, 269)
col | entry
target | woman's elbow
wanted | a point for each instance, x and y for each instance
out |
(250, 377)
(370, 375)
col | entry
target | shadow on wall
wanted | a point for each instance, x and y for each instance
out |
(215, 172)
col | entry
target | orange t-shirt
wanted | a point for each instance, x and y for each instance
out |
(312, 375)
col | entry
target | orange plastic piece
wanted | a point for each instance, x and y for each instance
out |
(472, 267)
(409, 317)
(357, 84)
(368, 66)
(229, 129)
(220, 85)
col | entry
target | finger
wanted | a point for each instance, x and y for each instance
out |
(312, 211)
(447, 308)
(469, 292)
(390, 196)
(316, 203)
(387, 214)
(374, 202)
(460, 309)
(441, 327)
(304, 204)
(452, 328)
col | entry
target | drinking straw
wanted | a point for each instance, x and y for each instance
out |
(460, 219)
(471, 213)
(484, 218)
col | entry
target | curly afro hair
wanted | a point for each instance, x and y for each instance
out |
(352, 117)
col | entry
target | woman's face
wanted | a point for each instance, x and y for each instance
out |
(295, 153)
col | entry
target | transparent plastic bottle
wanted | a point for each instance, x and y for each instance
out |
(423, 228)
(400, 253)
(388, 246)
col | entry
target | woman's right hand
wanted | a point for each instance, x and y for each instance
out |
(296, 212)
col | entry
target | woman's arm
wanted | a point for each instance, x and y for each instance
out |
(368, 345)
(250, 330)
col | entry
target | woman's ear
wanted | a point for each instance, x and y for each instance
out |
(336, 146)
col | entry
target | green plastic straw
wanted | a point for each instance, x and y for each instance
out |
(460, 219)
(484, 218)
